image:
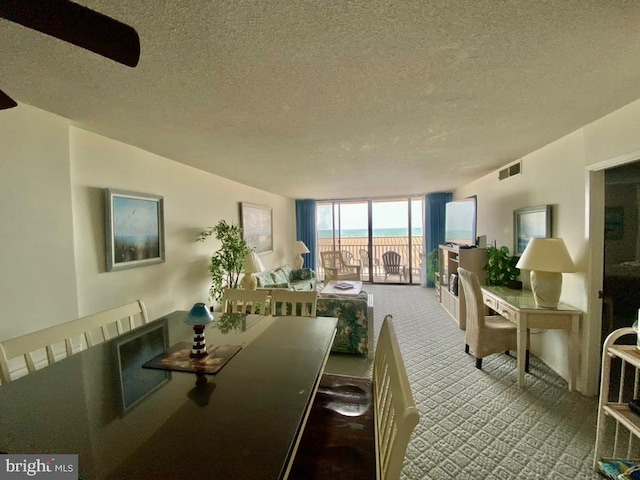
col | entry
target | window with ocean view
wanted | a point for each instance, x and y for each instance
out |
(364, 230)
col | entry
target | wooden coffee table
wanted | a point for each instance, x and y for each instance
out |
(329, 288)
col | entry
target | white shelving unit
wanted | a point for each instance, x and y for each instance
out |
(450, 258)
(614, 401)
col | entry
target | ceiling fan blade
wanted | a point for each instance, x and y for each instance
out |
(76, 24)
(6, 101)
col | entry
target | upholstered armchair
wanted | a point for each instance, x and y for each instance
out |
(336, 268)
(485, 334)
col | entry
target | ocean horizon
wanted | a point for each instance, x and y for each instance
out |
(377, 232)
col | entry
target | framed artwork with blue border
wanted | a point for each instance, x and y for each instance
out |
(134, 229)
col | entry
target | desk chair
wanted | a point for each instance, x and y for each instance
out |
(245, 301)
(106, 323)
(485, 335)
(292, 303)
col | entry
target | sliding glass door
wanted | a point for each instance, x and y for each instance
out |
(383, 236)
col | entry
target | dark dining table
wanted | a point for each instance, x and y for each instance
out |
(243, 422)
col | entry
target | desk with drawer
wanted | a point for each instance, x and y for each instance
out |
(519, 307)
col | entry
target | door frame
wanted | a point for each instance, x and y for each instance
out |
(594, 232)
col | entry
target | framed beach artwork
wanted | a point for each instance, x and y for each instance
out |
(528, 223)
(134, 229)
(257, 227)
(130, 351)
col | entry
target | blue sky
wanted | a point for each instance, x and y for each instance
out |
(386, 214)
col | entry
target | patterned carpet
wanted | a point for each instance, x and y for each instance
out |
(477, 424)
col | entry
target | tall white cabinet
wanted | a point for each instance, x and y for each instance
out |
(449, 259)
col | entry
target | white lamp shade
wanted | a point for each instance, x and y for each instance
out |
(252, 263)
(299, 247)
(546, 255)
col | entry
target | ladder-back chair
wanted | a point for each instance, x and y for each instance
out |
(109, 323)
(292, 303)
(245, 301)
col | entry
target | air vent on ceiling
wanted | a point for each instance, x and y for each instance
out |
(510, 171)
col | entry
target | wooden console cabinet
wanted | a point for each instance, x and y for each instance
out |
(449, 259)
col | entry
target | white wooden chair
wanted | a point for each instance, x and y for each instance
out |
(294, 303)
(360, 428)
(109, 323)
(245, 301)
(391, 263)
(396, 413)
(336, 267)
(364, 261)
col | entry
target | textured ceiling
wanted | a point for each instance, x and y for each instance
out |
(338, 99)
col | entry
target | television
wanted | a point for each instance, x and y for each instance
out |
(460, 222)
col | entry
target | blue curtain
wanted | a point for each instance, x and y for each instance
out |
(306, 229)
(434, 220)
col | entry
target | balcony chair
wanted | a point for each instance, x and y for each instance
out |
(348, 257)
(392, 266)
(364, 260)
(485, 335)
(336, 268)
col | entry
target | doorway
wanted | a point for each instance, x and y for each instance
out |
(621, 265)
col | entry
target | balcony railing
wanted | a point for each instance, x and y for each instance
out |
(355, 251)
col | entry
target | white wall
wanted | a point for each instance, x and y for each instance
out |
(553, 175)
(52, 211)
(37, 277)
(559, 174)
(193, 201)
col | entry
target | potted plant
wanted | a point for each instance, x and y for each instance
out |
(227, 262)
(501, 268)
(432, 265)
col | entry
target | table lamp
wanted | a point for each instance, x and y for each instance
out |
(252, 264)
(198, 316)
(299, 248)
(547, 258)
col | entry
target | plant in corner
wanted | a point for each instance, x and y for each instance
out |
(227, 262)
(432, 265)
(501, 268)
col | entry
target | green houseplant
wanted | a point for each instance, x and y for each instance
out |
(226, 262)
(501, 268)
(432, 265)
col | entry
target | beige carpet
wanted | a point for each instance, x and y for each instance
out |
(477, 424)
